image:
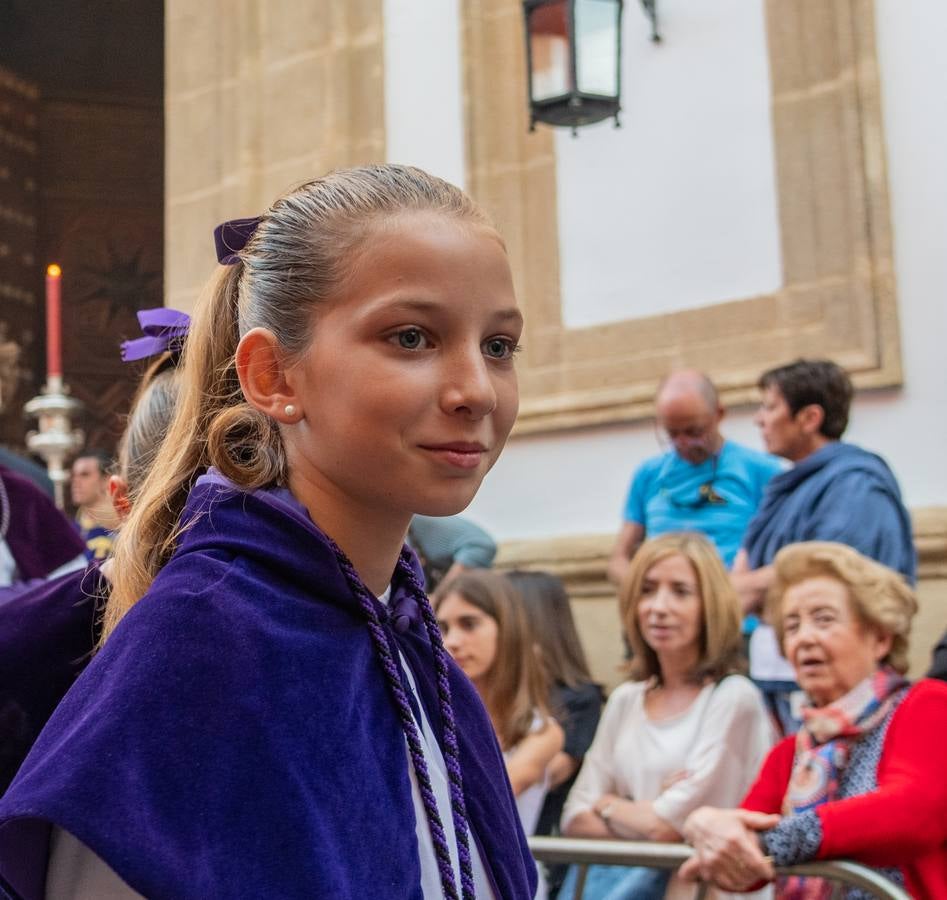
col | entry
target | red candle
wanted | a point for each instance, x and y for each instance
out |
(53, 321)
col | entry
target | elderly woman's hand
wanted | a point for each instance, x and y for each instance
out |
(728, 851)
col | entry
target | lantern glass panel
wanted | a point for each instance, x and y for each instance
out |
(596, 38)
(549, 51)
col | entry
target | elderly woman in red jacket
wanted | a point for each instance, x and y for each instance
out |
(864, 778)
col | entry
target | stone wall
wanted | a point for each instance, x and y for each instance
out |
(263, 93)
(260, 95)
(838, 293)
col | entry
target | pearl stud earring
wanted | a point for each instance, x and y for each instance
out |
(290, 410)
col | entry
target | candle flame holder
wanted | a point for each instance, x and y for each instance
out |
(55, 440)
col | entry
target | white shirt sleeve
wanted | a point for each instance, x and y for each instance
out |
(597, 775)
(734, 736)
(76, 873)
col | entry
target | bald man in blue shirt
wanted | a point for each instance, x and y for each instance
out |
(703, 483)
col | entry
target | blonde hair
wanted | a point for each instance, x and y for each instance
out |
(880, 597)
(721, 649)
(516, 687)
(151, 413)
(299, 256)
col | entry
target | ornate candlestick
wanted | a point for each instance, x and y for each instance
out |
(56, 440)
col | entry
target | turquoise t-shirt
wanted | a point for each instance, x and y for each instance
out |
(665, 495)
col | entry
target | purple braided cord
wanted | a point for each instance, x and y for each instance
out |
(391, 667)
(451, 750)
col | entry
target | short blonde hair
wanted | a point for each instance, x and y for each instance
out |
(880, 597)
(721, 647)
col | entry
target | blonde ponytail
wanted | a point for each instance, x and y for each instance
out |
(208, 386)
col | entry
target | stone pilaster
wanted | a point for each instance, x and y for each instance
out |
(260, 95)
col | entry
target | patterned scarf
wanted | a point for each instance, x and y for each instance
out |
(823, 747)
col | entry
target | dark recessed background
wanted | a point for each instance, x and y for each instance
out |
(81, 143)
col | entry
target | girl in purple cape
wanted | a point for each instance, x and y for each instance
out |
(272, 712)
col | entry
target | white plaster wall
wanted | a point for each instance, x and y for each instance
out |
(575, 482)
(677, 208)
(423, 91)
(909, 427)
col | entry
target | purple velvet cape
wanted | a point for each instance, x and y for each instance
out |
(236, 737)
(40, 538)
(48, 630)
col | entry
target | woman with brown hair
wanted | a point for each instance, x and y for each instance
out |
(575, 699)
(486, 632)
(687, 726)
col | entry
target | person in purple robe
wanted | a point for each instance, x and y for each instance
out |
(50, 627)
(272, 712)
(36, 540)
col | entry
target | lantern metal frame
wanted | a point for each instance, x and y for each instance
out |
(574, 108)
(650, 8)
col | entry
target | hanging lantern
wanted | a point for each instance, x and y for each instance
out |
(573, 53)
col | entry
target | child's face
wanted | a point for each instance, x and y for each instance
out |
(470, 635)
(408, 388)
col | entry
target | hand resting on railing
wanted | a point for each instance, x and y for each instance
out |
(727, 851)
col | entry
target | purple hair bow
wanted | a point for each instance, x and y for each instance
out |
(164, 329)
(231, 237)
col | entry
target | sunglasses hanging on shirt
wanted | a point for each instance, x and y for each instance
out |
(706, 494)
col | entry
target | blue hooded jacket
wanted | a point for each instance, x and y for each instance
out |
(839, 493)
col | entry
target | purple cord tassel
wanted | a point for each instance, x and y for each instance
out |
(391, 667)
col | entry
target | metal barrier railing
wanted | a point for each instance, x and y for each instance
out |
(585, 852)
